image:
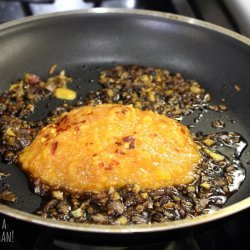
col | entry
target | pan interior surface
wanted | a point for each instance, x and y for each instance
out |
(83, 43)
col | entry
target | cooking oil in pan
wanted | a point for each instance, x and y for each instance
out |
(228, 174)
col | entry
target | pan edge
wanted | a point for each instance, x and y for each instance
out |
(140, 228)
(170, 16)
(112, 229)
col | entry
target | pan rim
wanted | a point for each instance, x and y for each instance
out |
(114, 229)
(93, 228)
(165, 15)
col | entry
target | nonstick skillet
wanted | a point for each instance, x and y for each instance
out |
(82, 42)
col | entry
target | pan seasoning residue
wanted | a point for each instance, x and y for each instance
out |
(149, 88)
(7, 196)
(219, 174)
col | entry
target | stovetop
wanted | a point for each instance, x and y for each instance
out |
(232, 233)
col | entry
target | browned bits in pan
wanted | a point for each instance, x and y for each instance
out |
(3, 175)
(7, 196)
(237, 87)
(52, 69)
(149, 88)
(16, 104)
(218, 108)
(145, 88)
(218, 124)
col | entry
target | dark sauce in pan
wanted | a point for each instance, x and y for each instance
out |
(219, 174)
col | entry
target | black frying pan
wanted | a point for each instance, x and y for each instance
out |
(81, 42)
